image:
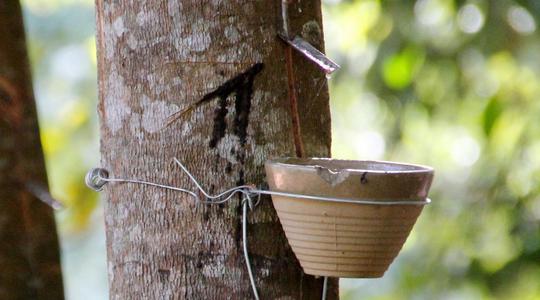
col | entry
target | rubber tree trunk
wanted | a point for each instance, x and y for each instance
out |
(222, 62)
(29, 254)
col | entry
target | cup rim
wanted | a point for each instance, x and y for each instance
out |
(310, 163)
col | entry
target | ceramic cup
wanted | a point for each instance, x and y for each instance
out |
(347, 239)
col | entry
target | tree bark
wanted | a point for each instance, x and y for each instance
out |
(29, 255)
(222, 62)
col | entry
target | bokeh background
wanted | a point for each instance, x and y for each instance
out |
(447, 83)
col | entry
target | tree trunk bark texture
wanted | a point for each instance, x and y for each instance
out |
(222, 62)
(29, 254)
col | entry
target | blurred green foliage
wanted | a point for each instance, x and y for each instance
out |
(451, 84)
(61, 43)
(454, 85)
(62, 52)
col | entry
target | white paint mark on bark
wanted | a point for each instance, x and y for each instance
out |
(225, 145)
(155, 113)
(118, 26)
(132, 42)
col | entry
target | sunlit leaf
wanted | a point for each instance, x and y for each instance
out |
(399, 69)
(491, 113)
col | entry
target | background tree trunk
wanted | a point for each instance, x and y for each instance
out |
(156, 58)
(29, 254)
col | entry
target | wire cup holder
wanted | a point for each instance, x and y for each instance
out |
(97, 178)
